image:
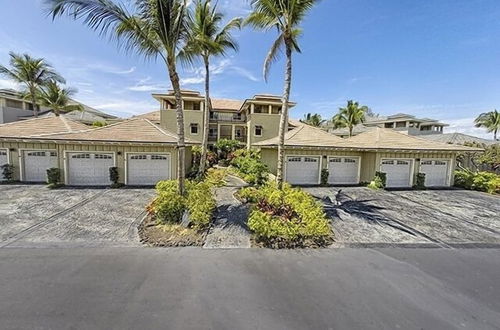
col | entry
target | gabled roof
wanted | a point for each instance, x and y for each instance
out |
(306, 136)
(40, 126)
(80, 116)
(135, 130)
(456, 138)
(388, 139)
(153, 116)
(226, 104)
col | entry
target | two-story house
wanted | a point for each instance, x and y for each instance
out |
(248, 121)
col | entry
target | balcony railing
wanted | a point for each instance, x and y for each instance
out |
(228, 117)
(241, 138)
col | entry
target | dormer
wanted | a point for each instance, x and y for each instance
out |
(192, 100)
(264, 104)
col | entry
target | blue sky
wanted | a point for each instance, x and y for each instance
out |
(438, 59)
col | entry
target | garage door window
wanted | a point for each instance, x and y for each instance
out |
(349, 160)
(427, 162)
(139, 157)
(335, 160)
(388, 162)
(3, 153)
(294, 159)
(310, 160)
(36, 154)
(101, 156)
(402, 162)
(439, 162)
(81, 156)
(158, 157)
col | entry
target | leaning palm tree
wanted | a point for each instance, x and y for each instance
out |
(31, 72)
(285, 16)
(208, 38)
(350, 116)
(313, 119)
(490, 121)
(57, 98)
(151, 28)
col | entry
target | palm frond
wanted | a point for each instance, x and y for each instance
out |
(273, 54)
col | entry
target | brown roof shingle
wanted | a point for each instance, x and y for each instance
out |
(226, 104)
(153, 116)
(306, 136)
(40, 126)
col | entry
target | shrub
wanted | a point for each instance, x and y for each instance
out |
(249, 166)
(99, 124)
(114, 177)
(494, 186)
(288, 218)
(420, 181)
(215, 177)
(481, 180)
(53, 176)
(201, 204)
(324, 176)
(378, 181)
(226, 146)
(7, 172)
(464, 179)
(250, 194)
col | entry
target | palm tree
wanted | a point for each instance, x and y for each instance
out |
(31, 72)
(350, 116)
(208, 38)
(490, 121)
(57, 98)
(152, 28)
(285, 16)
(313, 119)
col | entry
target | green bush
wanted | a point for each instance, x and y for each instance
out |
(250, 194)
(7, 172)
(249, 166)
(169, 205)
(225, 147)
(378, 181)
(288, 218)
(481, 181)
(53, 176)
(215, 177)
(464, 179)
(420, 181)
(494, 186)
(324, 176)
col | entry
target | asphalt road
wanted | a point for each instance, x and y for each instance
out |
(193, 288)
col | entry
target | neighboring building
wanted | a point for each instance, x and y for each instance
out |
(400, 122)
(458, 138)
(248, 121)
(14, 108)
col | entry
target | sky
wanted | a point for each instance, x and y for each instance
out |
(437, 59)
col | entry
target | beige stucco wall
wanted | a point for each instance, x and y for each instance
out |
(269, 123)
(15, 148)
(370, 161)
(168, 120)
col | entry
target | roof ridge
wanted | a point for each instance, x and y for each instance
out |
(297, 130)
(66, 124)
(164, 132)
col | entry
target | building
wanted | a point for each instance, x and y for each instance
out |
(400, 122)
(14, 108)
(143, 148)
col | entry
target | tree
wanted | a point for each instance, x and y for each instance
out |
(33, 73)
(490, 121)
(350, 116)
(57, 99)
(285, 16)
(151, 28)
(313, 120)
(208, 38)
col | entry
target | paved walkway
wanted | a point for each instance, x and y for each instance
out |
(229, 230)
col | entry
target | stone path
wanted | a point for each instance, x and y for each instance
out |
(229, 230)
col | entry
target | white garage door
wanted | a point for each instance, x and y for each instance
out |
(36, 163)
(398, 172)
(436, 172)
(343, 170)
(146, 169)
(302, 170)
(89, 169)
(3, 161)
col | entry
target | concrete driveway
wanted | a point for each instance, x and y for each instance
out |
(33, 215)
(450, 218)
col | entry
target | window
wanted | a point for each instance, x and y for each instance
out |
(388, 125)
(3, 153)
(37, 153)
(212, 132)
(294, 159)
(400, 124)
(14, 104)
(102, 156)
(388, 162)
(81, 156)
(426, 162)
(310, 160)
(237, 116)
(53, 154)
(402, 162)
(275, 110)
(349, 160)
(335, 160)
(139, 157)
(194, 129)
(259, 108)
(258, 130)
(425, 128)
(439, 162)
(158, 157)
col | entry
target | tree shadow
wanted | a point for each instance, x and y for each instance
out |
(359, 209)
(230, 215)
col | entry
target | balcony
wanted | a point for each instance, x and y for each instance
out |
(227, 117)
(214, 138)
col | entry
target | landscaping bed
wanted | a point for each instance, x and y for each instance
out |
(287, 218)
(154, 233)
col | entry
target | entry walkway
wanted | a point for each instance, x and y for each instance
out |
(230, 229)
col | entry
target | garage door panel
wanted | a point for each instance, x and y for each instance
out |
(398, 172)
(148, 169)
(89, 169)
(436, 172)
(302, 170)
(343, 170)
(3, 160)
(36, 163)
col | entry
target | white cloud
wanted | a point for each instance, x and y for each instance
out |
(466, 126)
(110, 69)
(245, 73)
(9, 84)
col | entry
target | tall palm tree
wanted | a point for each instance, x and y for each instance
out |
(285, 16)
(208, 38)
(152, 28)
(313, 119)
(31, 72)
(57, 98)
(350, 116)
(490, 121)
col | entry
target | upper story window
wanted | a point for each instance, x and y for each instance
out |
(388, 125)
(425, 128)
(276, 109)
(192, 105)
(259, 108)
(400, 124)
(258, 130)
(14, 104)
(194, 129)
(169, 104)
(237, 116)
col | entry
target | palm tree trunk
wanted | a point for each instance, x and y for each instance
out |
(206, 118)
(33, 101)
(495, 135)
(350, 131)
(284, 115)
(181, 145)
